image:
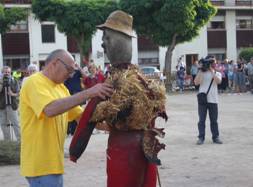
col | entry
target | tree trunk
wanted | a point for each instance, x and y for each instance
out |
(79, 43)
(168, 63)
(84, 45)
(1, 52)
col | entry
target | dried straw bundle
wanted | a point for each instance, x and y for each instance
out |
(134, 103)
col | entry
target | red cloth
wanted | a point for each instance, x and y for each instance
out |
(151, 176)
(83, 132)
(126, 163)
(84, 129)
(88, 82)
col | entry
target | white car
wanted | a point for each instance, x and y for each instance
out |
(152, 72)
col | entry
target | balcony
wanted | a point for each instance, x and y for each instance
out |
(244, 2)
(16, 1)
(218, 2)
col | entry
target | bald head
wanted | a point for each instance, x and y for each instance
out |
(57, 54)
(59, 66)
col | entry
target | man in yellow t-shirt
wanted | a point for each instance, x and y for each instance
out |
(45, 109)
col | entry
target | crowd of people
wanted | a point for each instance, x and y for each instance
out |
(84, 78)
(237, 77)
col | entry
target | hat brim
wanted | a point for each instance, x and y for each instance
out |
(106, 25)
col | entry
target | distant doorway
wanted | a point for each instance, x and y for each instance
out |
(190, 58)
(42, 64)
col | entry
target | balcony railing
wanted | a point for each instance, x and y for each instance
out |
(16, 1)
(244, 2)
(218, 3)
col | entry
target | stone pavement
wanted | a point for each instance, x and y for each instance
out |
(184, 164)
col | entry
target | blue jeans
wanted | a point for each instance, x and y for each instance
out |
(46, 181)
(181, 84)
(213, 116)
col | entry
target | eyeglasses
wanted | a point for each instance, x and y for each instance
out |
(69, 68)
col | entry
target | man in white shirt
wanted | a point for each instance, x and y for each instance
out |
(203, 79)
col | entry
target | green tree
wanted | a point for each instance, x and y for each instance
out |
(246, 54)
(169, 22)
(10, 16)
(77, 19)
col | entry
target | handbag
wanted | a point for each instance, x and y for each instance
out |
(202, 96)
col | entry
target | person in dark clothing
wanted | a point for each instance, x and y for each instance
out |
(74, 86)
(180, 78)
(74, 83)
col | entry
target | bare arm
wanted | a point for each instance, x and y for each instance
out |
(62, 105)
(199, 78)
(11, 93)
(216, 78)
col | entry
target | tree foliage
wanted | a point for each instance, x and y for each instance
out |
(169, 22)
(9, 16)
(246, 54)
(75, 18)
(160, 20)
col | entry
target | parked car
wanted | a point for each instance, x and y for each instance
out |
(152, 72)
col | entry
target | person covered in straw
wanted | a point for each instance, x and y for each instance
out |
(129, 113)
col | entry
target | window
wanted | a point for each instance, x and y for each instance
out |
(21, 26)
(243, 2)
(48, 33)
(148, 61)
(17, 62)
(218, 56)
(217, 25)
(244, 24)
(218, 2)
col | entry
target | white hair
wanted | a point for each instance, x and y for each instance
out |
(32, 67)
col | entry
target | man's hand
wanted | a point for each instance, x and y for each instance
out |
(101, 90)
(11, 93)
(103, 126)
(199, 78)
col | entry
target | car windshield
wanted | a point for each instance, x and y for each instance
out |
(148, 70)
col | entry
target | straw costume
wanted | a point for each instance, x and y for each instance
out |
(130, 114)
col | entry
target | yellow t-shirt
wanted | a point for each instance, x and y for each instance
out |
(42, 137)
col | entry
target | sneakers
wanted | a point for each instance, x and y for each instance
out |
(217, 141)
(200, 141)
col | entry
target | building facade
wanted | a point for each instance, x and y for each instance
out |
(30, 41)
(229, 31)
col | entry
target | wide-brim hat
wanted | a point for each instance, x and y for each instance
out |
(119, 21)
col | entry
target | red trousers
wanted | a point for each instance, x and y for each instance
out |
(126, 163)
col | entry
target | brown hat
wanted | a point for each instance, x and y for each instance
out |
(119, 21)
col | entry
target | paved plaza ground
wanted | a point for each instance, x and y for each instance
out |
(184, 164)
